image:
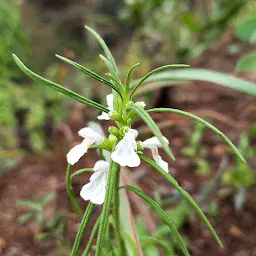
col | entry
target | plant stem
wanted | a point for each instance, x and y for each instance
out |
(94, 231)
(113, 171)
(116, 214)
(84, 223)
(70, 190)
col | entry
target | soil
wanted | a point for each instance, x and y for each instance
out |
(230, 111)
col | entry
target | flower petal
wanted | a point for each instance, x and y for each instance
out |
(153, 143)
(77, 152)
(95, 190)
(124, 153)
(158, 159)
(110, 101)
(103, 116)
(91, 135)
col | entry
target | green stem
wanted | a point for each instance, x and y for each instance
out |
(113, 171)
(116, 214)
(70, 191)
(84, 223)
(93, 234)
(73, 175)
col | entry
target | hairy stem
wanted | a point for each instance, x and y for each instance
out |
(83, 225)
(70, 191)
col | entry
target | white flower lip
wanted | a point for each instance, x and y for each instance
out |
(95, 190)
(110, 103)
(153, 144)
(90, 137)
(125, 151)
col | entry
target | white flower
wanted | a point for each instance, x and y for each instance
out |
(90, 137)
(142, 103)
(95, 190)
(125, 151)
(110, 103)
(153, 144)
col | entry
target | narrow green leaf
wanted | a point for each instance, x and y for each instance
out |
(154, 128)
(128, 80)
(111, 68)
(155, 71)
(89, 73)
(162, 215)
(185, 194)
(82, 227)
(58, 87)
(197, 74)
(131, 243)
(104, 47)
(26, 217)
(200, 120)
(70, 191)
(93, 234)
(29, 204)
(113, 172)
(73, 175)
(149, 240)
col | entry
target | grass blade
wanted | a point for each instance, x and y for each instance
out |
(184, 193)
(200, 120)
(58, 87)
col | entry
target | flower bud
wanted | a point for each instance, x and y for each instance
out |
(123, 130)
(115, 116)
(139, 147)
(114, 130)
(107, 145)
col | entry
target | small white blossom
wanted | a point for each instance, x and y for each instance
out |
(95, 190)
(110, 103)
(125, 151)
(153, 144)
(90, 137)
(142, 103)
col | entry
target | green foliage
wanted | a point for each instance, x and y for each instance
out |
(247, 30)
(50, 229)
(247, 63)
(243, 175)
(196, 151)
